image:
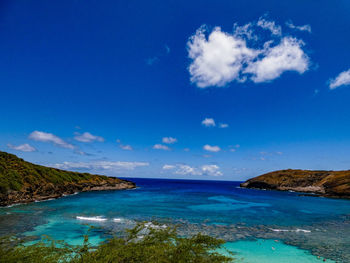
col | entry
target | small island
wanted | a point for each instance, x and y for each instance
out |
(334, 184)
(24, 182)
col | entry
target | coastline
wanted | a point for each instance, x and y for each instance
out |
(50, 191)
(330, 184)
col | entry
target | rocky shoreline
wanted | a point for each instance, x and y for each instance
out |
(334, 184)
(51, 191)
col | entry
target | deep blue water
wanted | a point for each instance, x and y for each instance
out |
(211, 203)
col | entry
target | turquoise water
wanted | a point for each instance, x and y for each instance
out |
(269, 251)
(301, 224)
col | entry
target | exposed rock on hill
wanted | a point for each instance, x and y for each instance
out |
(324, 183)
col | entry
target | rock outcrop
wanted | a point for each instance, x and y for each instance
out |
(323, 183)
(24, 182)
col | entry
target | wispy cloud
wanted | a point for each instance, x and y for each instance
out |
(161, 147)
(219, 58)
(270, 25)
(223, 125)
(124, 146)
(210, 148)
(51, 138)
(101, 165)
(306, 28)
(208, 122)
(343, 79)
(88, 137)
(167, 49)
(169, 140)
(151, 61)
(23, 147)
(184, 169)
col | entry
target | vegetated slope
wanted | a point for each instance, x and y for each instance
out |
(22, 182)
(325, 183)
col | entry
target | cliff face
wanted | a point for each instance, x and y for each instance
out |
(324, 183)
(23, 182)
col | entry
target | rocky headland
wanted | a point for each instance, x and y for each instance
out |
(334, 184)
(24, 182)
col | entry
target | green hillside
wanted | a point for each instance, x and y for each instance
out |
(24, 180)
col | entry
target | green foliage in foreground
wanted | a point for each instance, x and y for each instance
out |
(141, 245)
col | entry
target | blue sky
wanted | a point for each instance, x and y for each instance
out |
(133, 88)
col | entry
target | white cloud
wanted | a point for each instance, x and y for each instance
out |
(126, 147)
(169, 140)
(245, 31)
(220, 57)
(211, 169)
(161, 147)
(168, 167)
(306, 28)
(218, 60)
(184, 169)
(210, 148)
(287, 56)
(233, 148)
(101, 165)
(49, 137)
(186, 149)
(88, 137)
(270, 25)
(23, 147)
(343, 79)
(223, 125)
(208, 122)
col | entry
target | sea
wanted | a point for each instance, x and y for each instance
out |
(258, 226)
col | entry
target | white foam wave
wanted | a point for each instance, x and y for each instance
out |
(291, 230)
(93, 218)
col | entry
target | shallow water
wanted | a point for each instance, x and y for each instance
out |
(217, 208)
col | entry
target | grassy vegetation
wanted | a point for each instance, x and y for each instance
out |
(141, 245)
(15, 173)
(334, 183)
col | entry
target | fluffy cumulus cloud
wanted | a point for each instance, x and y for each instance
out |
(218, 58)
(210, 148)
(306, 28)
(208, 122)
(23, 147)
(343, 79)
(184, 169)
(101, 165)
(286, 56)
(161, 147)
(88, 137)
(51, 138)
(169, 140)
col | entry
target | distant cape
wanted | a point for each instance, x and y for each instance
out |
(322, 183)
(24, 182)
